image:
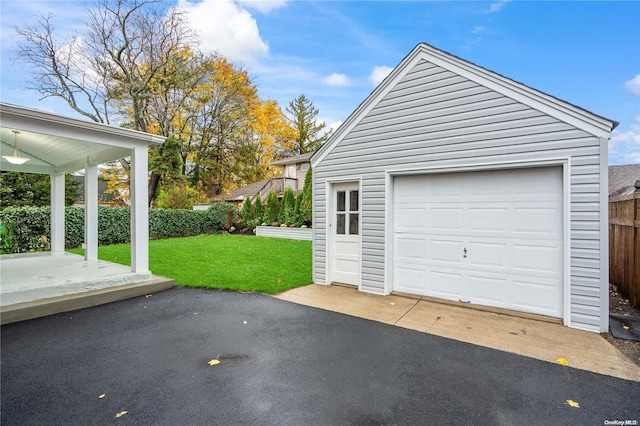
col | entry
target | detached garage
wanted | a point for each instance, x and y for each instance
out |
(453, 182)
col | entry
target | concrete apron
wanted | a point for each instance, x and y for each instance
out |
(523, 336)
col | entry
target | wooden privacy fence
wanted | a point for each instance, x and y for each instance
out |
(624, 245)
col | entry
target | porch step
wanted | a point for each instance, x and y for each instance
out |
(71, 302)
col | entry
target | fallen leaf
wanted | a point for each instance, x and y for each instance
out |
(148, 295)
(562, 361)
(144, 307)
(102, 396)
(120, 414)
(572, 403)
(626, 327)
(279, 280)
(214, 362)
(244, 322)
(392, 303)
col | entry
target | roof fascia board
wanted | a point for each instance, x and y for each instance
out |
(367, 105)
(582, 119)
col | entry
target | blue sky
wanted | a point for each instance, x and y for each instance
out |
(335, 52)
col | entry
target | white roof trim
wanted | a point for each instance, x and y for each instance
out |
(563, 111)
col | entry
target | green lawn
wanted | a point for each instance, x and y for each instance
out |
(226, 262)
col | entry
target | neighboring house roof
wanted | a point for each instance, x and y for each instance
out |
(295, 159)
(564, 111)
(622, 179)
(263, 188)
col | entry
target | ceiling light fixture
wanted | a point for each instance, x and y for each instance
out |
(15, 158)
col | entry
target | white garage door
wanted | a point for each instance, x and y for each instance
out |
(491, 238)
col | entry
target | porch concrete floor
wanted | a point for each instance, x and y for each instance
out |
(43, 283)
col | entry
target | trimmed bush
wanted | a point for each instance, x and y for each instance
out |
(288, 210)
(307, 200)
(258, 210)
(28, 229)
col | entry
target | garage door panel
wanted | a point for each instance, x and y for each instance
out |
(539, 296)
(410, 219)
(445, 251)
(446, 219)
(410, 279)
(444, 283)
(537, 259)
(536, 220)
(410, 247)
(488, 219)
(509, 221)
(485, 253)
(489, 290)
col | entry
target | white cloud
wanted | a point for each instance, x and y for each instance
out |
(379, 73)
(263, 6)
(624, 147)
(226, 28)
(495, 7)
(633, 85)
(333, 126)
(336, 80)
(477, 29)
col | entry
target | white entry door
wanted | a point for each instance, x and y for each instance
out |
(492, 238)
(345, 233)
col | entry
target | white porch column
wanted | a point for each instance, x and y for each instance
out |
(57, 212)
(91, 212)
(139, 210)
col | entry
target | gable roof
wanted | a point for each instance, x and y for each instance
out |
(550, 105)
(302, 158)
(622, 179)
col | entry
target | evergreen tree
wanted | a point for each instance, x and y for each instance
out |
(311, 135)
(299, 221)
(288, 209)
(246, 211)
(258, 211)
(272, 208)
(307, 199)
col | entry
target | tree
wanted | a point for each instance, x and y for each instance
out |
(246, 213)
(310, 134)
(179, 195)
(258, 212)
(109, 74)
(287, 210)
(272, 208)
(30, 189)
(307, 199)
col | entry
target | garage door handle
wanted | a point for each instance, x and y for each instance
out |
(465, 253)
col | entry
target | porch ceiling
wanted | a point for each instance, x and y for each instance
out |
(56, 144)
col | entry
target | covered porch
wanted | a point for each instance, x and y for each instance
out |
(58, 145)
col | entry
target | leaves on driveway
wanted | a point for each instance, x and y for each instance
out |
(121, 413)
(102, 396)
(572, 403)
(214, 361)
(562, 361)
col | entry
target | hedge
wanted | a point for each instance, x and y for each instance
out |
(27, 229)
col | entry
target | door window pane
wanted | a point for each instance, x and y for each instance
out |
(341, 201)
(354, 218)
(353, 201)
(340, 228)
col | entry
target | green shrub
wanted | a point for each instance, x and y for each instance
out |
(247, 214)
(179, 196)
(272, 208)
(288, 210)
(258, 210)
(307, 200)
(222, 216)
(28, 229)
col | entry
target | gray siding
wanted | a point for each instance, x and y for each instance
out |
(435, 118)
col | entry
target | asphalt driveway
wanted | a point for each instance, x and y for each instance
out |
(280, 364)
